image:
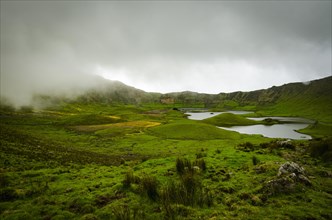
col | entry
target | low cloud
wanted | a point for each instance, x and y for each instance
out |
(207, 47)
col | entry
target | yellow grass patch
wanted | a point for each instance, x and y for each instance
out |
(130, 124)
(111, 116)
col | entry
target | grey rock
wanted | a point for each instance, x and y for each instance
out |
(280, 185)
(289, 175)
(304, 179)
(291, 167)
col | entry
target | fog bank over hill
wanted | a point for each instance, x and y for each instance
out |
(207, 47)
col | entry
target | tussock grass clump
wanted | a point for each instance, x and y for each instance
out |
(184, 165)
(177, 211)
(255, 160)
(188, 191)
(122, 213)
(200, 163)
(149, 185)
(130, 178)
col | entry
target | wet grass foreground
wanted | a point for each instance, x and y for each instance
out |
(129, 162)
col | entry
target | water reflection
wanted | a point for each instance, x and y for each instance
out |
(287, 130)
(273, 131)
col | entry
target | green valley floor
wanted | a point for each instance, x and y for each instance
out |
(99, 161)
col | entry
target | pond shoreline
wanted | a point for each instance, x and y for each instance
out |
(272, 127)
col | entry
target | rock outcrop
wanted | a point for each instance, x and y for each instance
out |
(289, 175)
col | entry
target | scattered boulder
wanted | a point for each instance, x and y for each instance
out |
(288, 176)
(280, 185)
(295, 172)
(303, 179)
(290, 167)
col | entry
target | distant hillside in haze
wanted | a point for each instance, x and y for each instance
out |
(304, 99)
(118, 92)
(311, 99)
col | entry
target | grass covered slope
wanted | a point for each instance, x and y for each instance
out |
(312, 100)
(188, 130)
(58, 164)
(229, 119)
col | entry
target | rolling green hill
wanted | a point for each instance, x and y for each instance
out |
(229, 119)
(192, 131)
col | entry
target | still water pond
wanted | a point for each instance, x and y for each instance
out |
(273, 131)
(205, 115)
(287, 130)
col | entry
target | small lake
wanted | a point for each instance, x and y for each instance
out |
(273, 131)
(205, 115)
(287, 130)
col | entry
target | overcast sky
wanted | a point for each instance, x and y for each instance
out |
(163, 46)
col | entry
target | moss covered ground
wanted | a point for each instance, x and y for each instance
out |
(99, 161)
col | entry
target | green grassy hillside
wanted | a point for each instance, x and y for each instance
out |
(229, 119)
(192, 131)
(143, 162)
(312, 101)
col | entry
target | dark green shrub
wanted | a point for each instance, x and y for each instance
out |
(179, 166)
(255, 160)
(321, 149)
(149, 186)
